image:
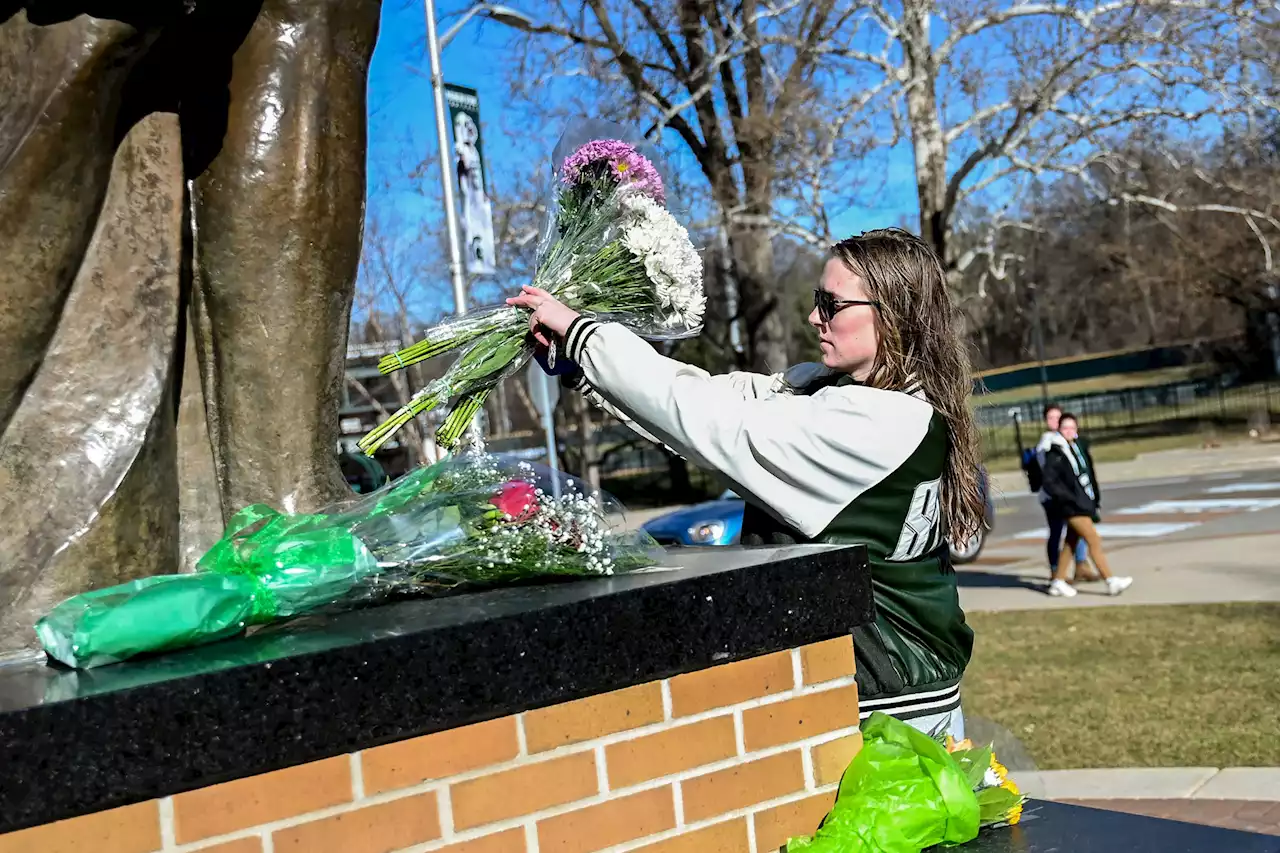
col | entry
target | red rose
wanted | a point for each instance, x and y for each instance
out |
(517, 500)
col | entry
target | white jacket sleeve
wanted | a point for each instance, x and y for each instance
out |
(804, 458)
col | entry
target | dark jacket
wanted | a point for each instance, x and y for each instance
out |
(1065, 478)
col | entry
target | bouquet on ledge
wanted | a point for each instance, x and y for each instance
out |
(906, 791)
(610, 249)
(461, 522)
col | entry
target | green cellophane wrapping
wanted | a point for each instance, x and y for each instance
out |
(438, 528)
(902, 793)
(268, 566)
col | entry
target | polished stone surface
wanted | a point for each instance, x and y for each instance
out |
(1058, 828)
(78, 742)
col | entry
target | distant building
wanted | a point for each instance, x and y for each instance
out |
(357, 415)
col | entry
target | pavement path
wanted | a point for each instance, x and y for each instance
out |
(1246, 798)
(1185, 539)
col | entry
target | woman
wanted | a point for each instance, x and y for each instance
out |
(1074, 494)
(874, 445)
(1057, 523)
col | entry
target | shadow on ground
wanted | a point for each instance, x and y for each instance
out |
(1009, 750)
(979, 579)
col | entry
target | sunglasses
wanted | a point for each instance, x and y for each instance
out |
(828, 306)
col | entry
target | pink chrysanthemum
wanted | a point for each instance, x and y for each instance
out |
(627, 166)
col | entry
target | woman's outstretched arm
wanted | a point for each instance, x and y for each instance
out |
(804, 458)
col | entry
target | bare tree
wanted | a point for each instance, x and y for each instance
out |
(749, 88)
(1011, 92)
(388, 308)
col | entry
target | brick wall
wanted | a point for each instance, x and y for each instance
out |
(734, 758)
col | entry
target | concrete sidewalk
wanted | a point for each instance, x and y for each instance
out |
(1188, 462)
(1153, 783)
(1198, 571)
(1246, 798)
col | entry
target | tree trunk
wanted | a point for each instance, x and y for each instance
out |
(929, 144)
(765, 345)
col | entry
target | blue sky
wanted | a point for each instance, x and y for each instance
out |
(402, 129)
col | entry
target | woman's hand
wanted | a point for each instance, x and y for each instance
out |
(549, 314)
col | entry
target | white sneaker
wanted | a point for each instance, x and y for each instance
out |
(1117, 585)
(1062, 588)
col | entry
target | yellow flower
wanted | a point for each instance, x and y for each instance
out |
(1014, 814)
(1000, 769)
(1010, 786)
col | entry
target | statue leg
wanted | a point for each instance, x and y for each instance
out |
(90, 207)
(278, 216)
(88, 477)
(60, 92)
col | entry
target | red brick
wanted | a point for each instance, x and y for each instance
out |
(670, 751)
(742, 785)
(731, 683)
(776, 825)
(827, 660)
(800, 718)
(435, 756)
(256, 800)
(524, 790)
(612, 822)
(130, 829)
(593, 717)
(373, 829)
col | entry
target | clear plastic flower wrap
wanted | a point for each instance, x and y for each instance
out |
(467, 522)
(609, 248)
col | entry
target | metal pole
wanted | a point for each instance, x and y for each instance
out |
(1039, 335)
(446, 181)
(549, 428)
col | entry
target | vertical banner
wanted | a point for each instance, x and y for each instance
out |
(475, 211)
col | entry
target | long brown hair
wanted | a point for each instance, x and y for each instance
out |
(920, 345)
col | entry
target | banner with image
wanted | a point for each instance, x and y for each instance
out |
(475, 212)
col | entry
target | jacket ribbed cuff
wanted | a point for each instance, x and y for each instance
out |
(575, 339)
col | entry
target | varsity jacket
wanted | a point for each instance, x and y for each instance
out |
(819, 458)
(1069, 478)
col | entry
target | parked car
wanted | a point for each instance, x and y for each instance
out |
(719, 522)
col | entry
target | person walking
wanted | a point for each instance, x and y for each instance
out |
(874, 445)
(1071, 483)
(1053, 517)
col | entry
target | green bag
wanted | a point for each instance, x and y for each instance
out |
(266, 567)
(902, 793)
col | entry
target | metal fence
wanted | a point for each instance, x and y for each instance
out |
(1179, 407)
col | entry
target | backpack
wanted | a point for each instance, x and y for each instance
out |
(1031, 467)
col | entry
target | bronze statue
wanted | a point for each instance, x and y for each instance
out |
(181, 204)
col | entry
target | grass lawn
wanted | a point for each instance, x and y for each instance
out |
(1176, 686)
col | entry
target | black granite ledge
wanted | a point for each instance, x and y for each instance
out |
(72, 743)
(1059, 828)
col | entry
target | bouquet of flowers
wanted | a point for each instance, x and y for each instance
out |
(906, 791)
(610, 249)
(461, 522)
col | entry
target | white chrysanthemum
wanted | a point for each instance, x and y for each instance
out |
(670, 261)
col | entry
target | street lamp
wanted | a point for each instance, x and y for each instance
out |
(502, 14)
(494, 11)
